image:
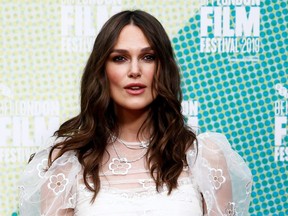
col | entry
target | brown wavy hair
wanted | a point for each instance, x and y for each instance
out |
(88, 133)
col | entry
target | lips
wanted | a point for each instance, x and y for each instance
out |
(135, 88)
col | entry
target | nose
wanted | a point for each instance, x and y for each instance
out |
(135, 71)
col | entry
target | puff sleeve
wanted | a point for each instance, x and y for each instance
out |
(222, 176)
(49, 192)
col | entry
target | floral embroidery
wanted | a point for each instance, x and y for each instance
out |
(119, 167)
(41, 168)
(124, 195)
(147, 183)
(58, 183)
(230, 210)
(216, 177)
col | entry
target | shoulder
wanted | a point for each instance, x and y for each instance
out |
(40, 159)
(37, 171)
(214, 149)
(212, 140)
(54, 184)
(209, 145)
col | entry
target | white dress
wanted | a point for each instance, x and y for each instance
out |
(217, 177)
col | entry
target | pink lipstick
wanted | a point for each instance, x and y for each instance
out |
(135, 88)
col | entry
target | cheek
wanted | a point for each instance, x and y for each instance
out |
(112, 76)
(150, 73)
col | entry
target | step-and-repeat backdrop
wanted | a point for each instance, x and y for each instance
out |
(233, 60)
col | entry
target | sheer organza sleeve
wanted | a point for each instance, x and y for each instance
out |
(49, 192)
(222, 176)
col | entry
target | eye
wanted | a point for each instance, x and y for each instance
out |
(149, 57)
(118, 58)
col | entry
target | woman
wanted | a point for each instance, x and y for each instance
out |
(129, 152)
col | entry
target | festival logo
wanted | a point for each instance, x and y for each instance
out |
(281, 113)
(24, 125)
(190, 111)
(231, 27)
(82, 20)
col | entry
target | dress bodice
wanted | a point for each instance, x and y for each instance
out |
(127, 188)
(216, 175)
(184, 201)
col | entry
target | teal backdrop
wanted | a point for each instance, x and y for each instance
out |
(243, 94)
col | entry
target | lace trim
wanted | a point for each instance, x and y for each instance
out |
(137, 171)
(147, 190)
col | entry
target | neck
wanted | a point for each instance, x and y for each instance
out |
(130, 123)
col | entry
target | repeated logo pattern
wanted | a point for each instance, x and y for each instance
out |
(237, 98)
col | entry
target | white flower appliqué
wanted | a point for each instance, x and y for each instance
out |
(216, 178)
(58, 183)
(119, 167)
(41, 168)
(230, 210)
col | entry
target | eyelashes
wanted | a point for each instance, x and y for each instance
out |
(146, 58)
(118, 59)
(149, 57)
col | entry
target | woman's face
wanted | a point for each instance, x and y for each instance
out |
(130, 69)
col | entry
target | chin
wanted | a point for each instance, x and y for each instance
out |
(134, 107)
(138, 108)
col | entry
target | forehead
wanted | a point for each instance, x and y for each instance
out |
(131, 36)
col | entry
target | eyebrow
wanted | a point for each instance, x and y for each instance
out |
(126, 51)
